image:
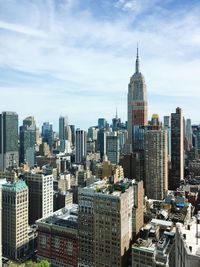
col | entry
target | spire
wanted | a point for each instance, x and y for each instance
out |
(116, 116)
(137, 61)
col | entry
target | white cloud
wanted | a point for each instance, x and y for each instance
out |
(96, 55)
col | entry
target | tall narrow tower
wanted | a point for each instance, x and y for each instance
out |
(177, 149)
(81, 149)
(15, 237)
(137, 101)
(9, 155)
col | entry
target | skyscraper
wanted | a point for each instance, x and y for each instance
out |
(47, 134)
(28, 141)
(101, 142)
(73, 133)
(102, 123)
(137, 102)
(156, 163)
(15, 219)
(0, 228)
(138, 208)
(167, 127)
(189, 133)
(9, 155)
(112, 148)
(81, 144)
(116, 123)
(106, 223)
(65, 133)
(40, 194)
(177, 151)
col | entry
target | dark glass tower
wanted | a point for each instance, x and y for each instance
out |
(47, 134)
(177, 150)
(9, 155)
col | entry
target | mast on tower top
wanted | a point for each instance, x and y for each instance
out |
(137, 70)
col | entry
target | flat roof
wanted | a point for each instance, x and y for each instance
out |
(192, 234)
(65, 217)
(162, 222)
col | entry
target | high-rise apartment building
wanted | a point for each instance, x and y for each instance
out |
(106, 223)
(40, 194)
(177, 150)
(137, 102)
(9, 155)
(81, 145)
(156, 163)
(113, 150)
(15, 219)
(28, 141)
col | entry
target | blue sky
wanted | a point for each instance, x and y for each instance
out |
(75, 57)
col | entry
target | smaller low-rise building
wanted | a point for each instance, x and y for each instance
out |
(155, 247)
(58, 237)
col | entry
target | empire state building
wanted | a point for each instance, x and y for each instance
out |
(137, 102)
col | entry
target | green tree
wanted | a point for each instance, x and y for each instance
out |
(43, 263)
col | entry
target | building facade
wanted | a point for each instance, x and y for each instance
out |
(187, 244)
(15, 219)
(40, 195)
(105, 224)
(167, 127)
(156, 163)
(81, 146)
(28, 141)
(177, 150)
(189, 134)
(138, 208)
(58, 237)
(9, 155)
(113, 149)
(47, 134)
(137, 102)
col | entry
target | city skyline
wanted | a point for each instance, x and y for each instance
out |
(71, 58)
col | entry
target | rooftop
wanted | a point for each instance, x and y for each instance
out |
(16, 186)
(104, 187)
(191, 236)
(65, 217)
(162, 223)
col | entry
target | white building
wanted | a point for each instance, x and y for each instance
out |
(188, 244)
